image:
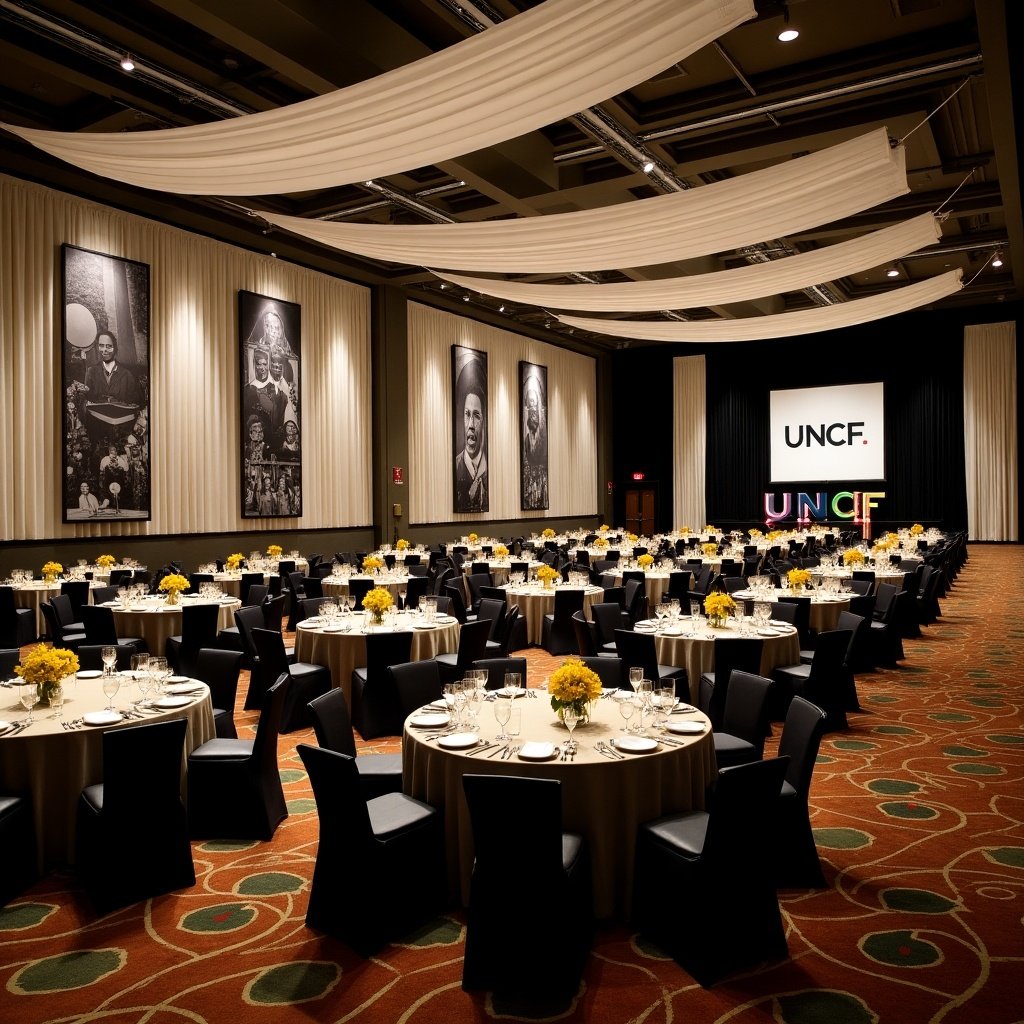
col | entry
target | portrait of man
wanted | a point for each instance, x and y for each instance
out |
(533, 429)
(469, 430)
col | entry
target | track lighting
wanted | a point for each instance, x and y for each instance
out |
(648, 167)
(501, 309)
(127, 64)
(892, 272)
(998, 261)
(788, 34)
(465, 298)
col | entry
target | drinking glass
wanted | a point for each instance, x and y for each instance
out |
(109, 656)
(635, 675)
(502, 713)
(28, 695)
(665, 700)
(513, 683)
(111, 684)
(474, 697)
(645, 695)
(626, 700)
(158, 671)
(57, 702)
(570, 716)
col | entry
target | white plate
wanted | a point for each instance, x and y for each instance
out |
(333, 629)
(777, 622)
(185, 688)
(430, 721)
(101, 717)
(459, 741)
(686, 728)
(172, 702)
(505, 691)
(673, 632)
(537, 751)
(446, 618)
(635, 744)
(4, 726)
(767, 632)
(177, 679)
(313, 622)
(89, 673)
(645, 627)
(423, 625)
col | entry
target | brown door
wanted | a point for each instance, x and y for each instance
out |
(640, 511)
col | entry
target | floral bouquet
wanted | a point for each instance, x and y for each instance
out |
(916, 530)
(774, 535)
(47, 667)
(548, 532)
(755, 532)
(472, 538)
(234, 562)
(51, 570)
(632, 538)
(573, 685)
(371, 562)
(105, 561)
(377, 602)
(173, 583)
(274, 550)
(853, 556)
(604, 528)
(601, 543)
(500, 551)
(708, 528)
(645, 561)
(798, 578)
(401, 544)
(683, 530)
(709, 549)
(718, 606)
(546, 573)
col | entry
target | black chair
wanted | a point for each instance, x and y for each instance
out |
(17, 846)
(586, 634)
(378, 773)
(69, 621)
(296, 594)
(198, 630)
(248, 618)
(197, 579)
(56, 633)
(312, 586)
(415, 588)
(375, 708)
(745, 721)
(635, 604)
(78, 592)
(220, 671)
(730, 652)
(513, 634)
(518, 821)
(475, 582)
(608, 616)
(797, 865)
(101, 628)
(885, 640)
(273, 612)
(306, 679)
(358, 588)
(710, 866)
(494, 593)
(90, 656)
(453, 591)
(820, 682)
(248, 581)
(492, 611)
(802, 620)
(17, 625)
(392, 844)
(121, 577)
(9, 658)
(311, 606)
(497, 667)
(609, 668)
(558, 635)
(416, 683)
(639, 650)
(132, 838)
(234, 786)
(472, 647)
(102, 595)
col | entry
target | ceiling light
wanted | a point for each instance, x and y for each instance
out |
(501, 309)
(444, 284)
(787, 35)
(648, 167)
(127, 64)
(465, 298)
(892, 272)
(998, 261)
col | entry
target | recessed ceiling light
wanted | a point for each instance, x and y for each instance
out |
(787, 35)
(127, 64)
(648, 167)
(892, 272)
(501, 309)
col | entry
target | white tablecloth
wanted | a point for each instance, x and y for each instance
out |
(535, 602)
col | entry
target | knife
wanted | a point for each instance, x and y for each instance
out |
(486, 746)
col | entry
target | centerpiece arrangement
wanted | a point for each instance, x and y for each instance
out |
(710, 550)
(755, 533)
(604, 528)
(916, 530)
(798, 578)
(547, 533)
(601, 543)
(573, 685)
(47, 667)
(172, 585)
(371, 564)
(51, 570)
(547, 575)
(500, 551)
(234, 561)
(645, 562)
(853, 556)
(377, 602)
(274, 550)
(718, 607)
(401, 544)
(105, 561)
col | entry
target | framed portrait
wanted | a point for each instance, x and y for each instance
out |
(105, 387)
(469, 430)
(533, 436)
(270, 357)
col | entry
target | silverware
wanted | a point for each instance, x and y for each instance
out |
(483, 746)
(500, 750)
(607, 748)
(607, 753)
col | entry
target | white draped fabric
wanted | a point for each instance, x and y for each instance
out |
(769, 203)
(529, 71)
(572, 420)
(779, 325)
(735, 285)
(689, 430)
(194, 373)
(990, 434)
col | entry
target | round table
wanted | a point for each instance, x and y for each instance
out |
(337, 585)
(231, 583)
(32, 595)
(343, 649)
(154, 620)
(825, 608)
(53, 765)
(882, 575)
(499, 570)
(536, 601)
(655, 583)
(603, 799)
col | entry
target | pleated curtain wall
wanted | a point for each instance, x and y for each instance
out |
(689, 441)
(572, 420)
(194, 368)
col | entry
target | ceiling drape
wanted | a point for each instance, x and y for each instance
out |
(773, 202)
(734, 285)
(779, 325)
(529, 71)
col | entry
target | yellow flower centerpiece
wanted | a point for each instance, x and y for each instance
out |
(105, 561)
(51, 570)
(684, 530)
(547, 532)
(632, 538)
(573, 685)
(645, 561)
(547, 574)
(774, 535)
(371, 563)
(853, 556)
(755, 533)
(916, 530)
(709, 549)
(274, 550)
(718, 606)
(708, 528)
(473, 538)
(172, 585)
(377, 602)
(798, 578)
(401, 544)
(604, 528)
(47, 667)
(601, 543)
(500, 551)
(234, 561)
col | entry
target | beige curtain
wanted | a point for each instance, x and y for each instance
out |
(689, 441)
(779, 325)
(572, 420)
(194, 368)
(816, 189)
(990, 430)
(529, 71)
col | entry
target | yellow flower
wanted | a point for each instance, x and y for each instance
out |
(234, 561)
(473, 538)
(684, 529)
(401, 544)
(709, 549)
(548, 532)
(546, 572)
(853, 556)
(173, 583)
(916, 529)
(371, 562)
(51, 569)
(573, 685)
(604, 528)
(632, 538)
(105, 561)
(500, 551)
(645, 561)
(378, 600)
(47, 665)
(601, 542)
(756, 533)
(719, 604)
(798, 577)
(274, 550)
(710, 529)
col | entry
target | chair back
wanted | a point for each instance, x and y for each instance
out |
(332, 722)
(359, 588)
(732, 654)
(248, 581)
(415, 588)
(64, 609)
(586, 634)
(472, 643)
(494, 612)
(608, 616)
(417, 683)
(272, 657)
(609, 669)
(458, 604)
(101, 595)
(802, 730)
(830, 651)
(273, 612)
(637, 650)
(742, 808)
(248, 618)
(497, 667)
(384, 650)
(313, 586)
(99, 625)
(345, 828)
(118, 577)
(746, 708)
(256, 594)
(264, 748)
(53, 626)
(199, 628)
(195, 579)
(142, 770)
(802, 619)
(885, 602)
(220, 671)
(567, 601)
(311, 606)
(508, 629)
(494, 593)
(78, 592)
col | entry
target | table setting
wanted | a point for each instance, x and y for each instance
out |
(536, 600)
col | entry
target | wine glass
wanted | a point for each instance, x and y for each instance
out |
(109, 656)
(111, 684)
(28, 696)
(626, 699)
(514, 683)
(502, 714)
(570, 717)
(635, 675)
(645, 696)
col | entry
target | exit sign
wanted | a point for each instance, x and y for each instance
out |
(638, 476)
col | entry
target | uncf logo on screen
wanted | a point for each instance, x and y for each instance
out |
(836, 434)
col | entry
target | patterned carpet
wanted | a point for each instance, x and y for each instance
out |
(917, 811)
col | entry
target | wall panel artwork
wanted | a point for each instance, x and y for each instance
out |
(469, 430)
(105, 387)
(269, 335)
(533, 436)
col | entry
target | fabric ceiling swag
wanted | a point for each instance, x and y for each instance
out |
(772, 202)
(529, 71)
(738, 284)
(779, 325)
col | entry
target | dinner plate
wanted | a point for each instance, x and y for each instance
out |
(767, 632)
(89, 673)
(673, 632)
(176, 688)
(314, 621)
(683, 709)
(686, 728)
(777, 622)
(178, 679)
(536, 751)
(446, 618)
(423, 625)
(430, 721)
(101, 717)
(635, 744)
(172, 702)
(505, 691)
(459, 741)
(644, 627)
(332, 629)
(4, 726)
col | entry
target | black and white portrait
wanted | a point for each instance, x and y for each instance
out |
(533, 433)
(105, 386)
(269, 346)
(469, 429)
